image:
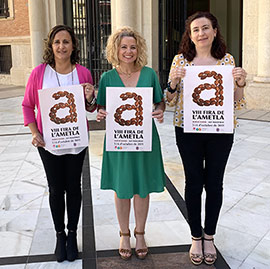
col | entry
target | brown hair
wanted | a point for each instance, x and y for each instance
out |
(114, 43)
(48, 55)
(187, 47)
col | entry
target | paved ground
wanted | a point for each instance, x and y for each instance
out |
(26, 231)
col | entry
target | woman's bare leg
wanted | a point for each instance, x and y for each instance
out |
(141, 207)
(123, 211)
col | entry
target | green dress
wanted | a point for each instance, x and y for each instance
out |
(129, 173)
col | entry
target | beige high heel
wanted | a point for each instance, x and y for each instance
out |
(196, 259)
(124, 250)
(210, 258)
(140, 253)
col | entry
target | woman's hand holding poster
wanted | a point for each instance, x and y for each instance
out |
(208, 99)
(129, 119)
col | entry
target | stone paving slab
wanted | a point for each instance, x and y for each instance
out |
(253, 114)
(265, 117)
(8, 91)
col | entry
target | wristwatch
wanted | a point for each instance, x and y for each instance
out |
(170, 89)
(93, 101)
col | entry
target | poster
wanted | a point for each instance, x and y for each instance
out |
(129, 119)
(63, 117)
(208, 99)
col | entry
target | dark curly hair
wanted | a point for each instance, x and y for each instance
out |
(48, 55)
(187, 48)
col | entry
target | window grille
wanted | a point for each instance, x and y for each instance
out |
(172, 15)
(91, 21)
(5, 59)
(4, 10)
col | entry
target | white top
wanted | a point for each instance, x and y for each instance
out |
(50, 81)
(50, 78)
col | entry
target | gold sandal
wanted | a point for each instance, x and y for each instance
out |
(196, 259)
(124, 250)
(210, 256)
(138, 252)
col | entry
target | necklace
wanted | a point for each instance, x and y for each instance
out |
(58, 81)
(127, 74)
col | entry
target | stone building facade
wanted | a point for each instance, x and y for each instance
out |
(22, 31)
(15, 40)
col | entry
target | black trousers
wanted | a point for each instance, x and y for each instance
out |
(64, 177)
(204, 158)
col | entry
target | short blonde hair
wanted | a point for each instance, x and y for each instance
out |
(114, 43)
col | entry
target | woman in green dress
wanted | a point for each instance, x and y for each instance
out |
(131, 174)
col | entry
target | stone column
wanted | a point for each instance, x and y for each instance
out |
(256, 53)
(263, 73)
(142, 15)
(124, 13)
(43, 15)
(37, 21)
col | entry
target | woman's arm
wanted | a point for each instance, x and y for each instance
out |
(90, 99)
(37, 139)
(177, 72)
(238, 93)
(158, 113)
(239, 75)
(101, 113)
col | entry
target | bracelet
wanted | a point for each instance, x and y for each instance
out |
(242, 86)
(93, 101)
(170, 89)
